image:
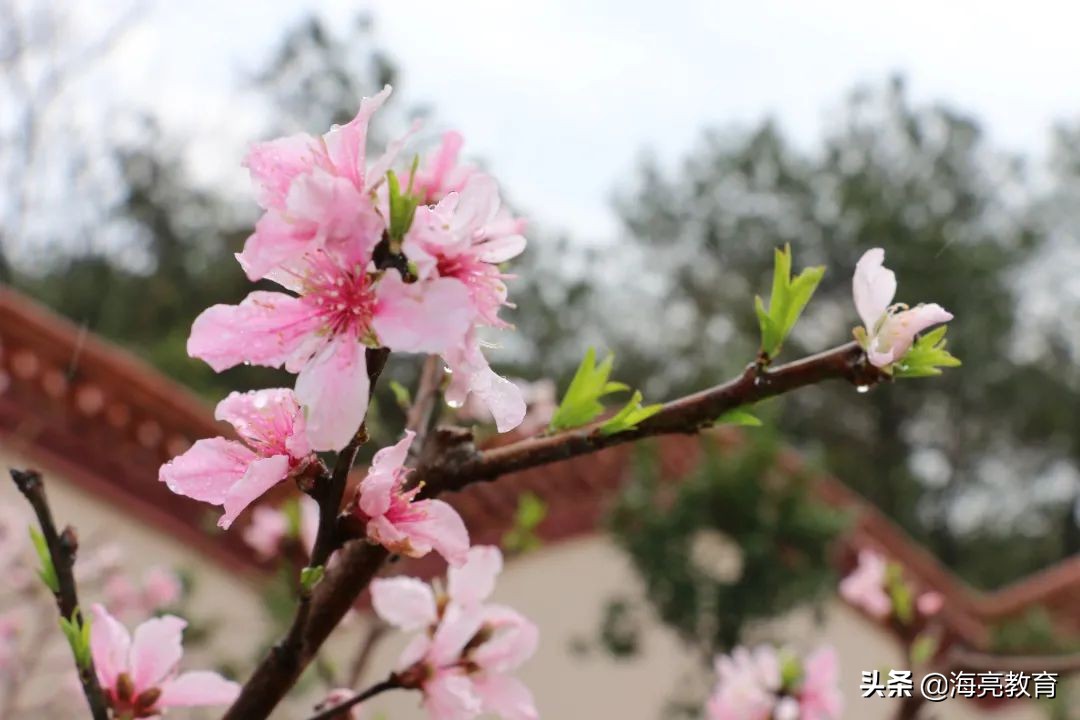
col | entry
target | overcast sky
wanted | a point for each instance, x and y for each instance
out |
(562, 97)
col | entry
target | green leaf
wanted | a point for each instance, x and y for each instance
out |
(789, 298)
(310, 577)
(738, 416)
(923, 649)
(402, 209)
(47, 572)
(522, 537)
(581, 403)
(77, 632)
(629, 417)
(903, 599)
(926, 356)
(401, 395)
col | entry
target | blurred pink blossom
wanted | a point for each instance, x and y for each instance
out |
(139, 674)
(890, 329)
(466, 649)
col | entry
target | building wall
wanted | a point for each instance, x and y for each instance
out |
(563, 588)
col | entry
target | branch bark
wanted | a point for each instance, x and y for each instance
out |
(63, 547)
(458, 463)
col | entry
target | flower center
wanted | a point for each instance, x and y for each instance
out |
(344, 297)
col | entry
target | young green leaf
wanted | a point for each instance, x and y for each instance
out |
(629, 417)
(402, 209)
(923, 649)
(739, 416)
(47, 572)
(77, 631)
(310, 577)
(401, 395)
(786, 303)
(522, 537)
(581, 403)
(926, 356)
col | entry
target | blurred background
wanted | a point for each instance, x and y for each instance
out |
(659, 152)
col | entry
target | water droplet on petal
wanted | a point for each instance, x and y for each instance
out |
(862, 389)
(456, 404)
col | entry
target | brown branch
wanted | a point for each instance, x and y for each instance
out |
(63, 547)
(458, 464)
(328, 492)
(335, 711)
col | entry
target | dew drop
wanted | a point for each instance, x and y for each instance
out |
(454, 403)
(863, 389)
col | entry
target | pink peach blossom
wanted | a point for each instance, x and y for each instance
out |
(233, 474)
(466, 650)
(465, 236)
(270, 526)
(266, 531)
(865, 586)
(819, 693)
(890, 329)
(316, 191)
(139, 674)
(751, 685)
(400, 523)
(323, 334)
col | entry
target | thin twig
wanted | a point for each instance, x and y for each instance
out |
(462, 464)
(375, 633)
(391, 683)
(62, 547)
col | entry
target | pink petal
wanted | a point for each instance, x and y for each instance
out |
(263, 417)
(277, 241)
(501, 249)
(161, 587)
(428, 316)
(267, 328)
(457, 627)
(198, 688)
(377, 488)
(474, 581)
(930, 603)
(515, 640)
(898, 332)
(346, 146)
(506, 697)
(309, 522)
(450, 696)
(415, 651)
(433, 524)
(874, 287)
(273, 166)
(478, 203)
(346, 219)
(207, 470)
(333, 388)
(441, 175)
(382, 164)
(110, 645)
(261, 475)
(404, 602)
(470, 373)
(390, 459)
(266, 530)
(156, 651)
